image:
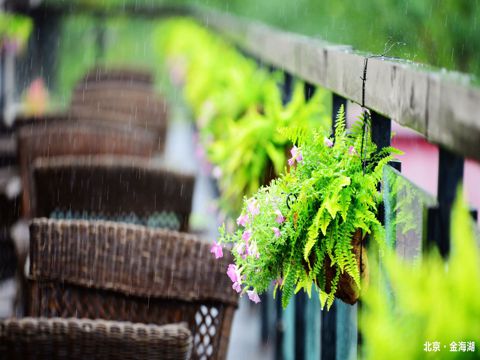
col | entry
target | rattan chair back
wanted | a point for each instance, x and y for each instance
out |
(120, 74)
(84, 339)
(133, 104)
(75, 138)
(117, 271)
(126, 189)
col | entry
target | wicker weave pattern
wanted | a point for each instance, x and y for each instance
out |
(161, 220)
(127, 272)
(41, 338)
(210, 322)
(110, 186)
(132, 103)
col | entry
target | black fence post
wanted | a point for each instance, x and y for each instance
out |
(100, 37)
(450, 175)
(381, 133)
(43, 46)
(2, 92)
(381, 129)
(300, 298)
(287, 89)
(328, 322)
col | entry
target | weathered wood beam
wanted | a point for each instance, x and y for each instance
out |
(442, 106)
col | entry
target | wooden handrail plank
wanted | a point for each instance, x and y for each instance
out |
(444, 107)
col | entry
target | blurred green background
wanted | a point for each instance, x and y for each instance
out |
(442, 33)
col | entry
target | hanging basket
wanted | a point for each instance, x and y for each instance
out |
(347, 290)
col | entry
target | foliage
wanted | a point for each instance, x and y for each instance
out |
(322, 201)
(14, 30)
(252, 150)
(121, 46)
(443, 33)
(404, 206)
(431, 301)
(237, 106)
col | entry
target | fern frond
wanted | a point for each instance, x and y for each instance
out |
(340, 123)
(333, 289)
(288, 285)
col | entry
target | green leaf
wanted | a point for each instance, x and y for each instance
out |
(306, 284)
(312, 236)
(325, 220)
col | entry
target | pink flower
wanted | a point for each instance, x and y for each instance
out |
(234, 274)
(240, 248)
(296, 156)
(280, 218)
(199, 152)
(10, 45)
(253, 296)
(253, 250)
(216, 249)
(328, 142)
(247, 234)
(277, 232)
(36, 97)
(352, 151)
(243, 220)
(253, 208)
(217, 172)
(237, 287)
(279, 282)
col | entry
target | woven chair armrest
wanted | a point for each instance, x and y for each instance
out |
(70, 338)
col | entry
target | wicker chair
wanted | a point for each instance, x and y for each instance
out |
(56, 338)
(75, 138)
(125, 189)
(115, 271)
(133, 104)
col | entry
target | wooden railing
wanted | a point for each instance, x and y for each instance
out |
(442, 106)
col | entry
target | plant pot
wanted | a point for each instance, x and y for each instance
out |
(347, 289)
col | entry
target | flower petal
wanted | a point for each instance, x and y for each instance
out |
(233, 273)
(237, 287)
(328, 142)
(253, 296)
(217, 250)
(277, 232)
(280, 218)
(247, 234)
